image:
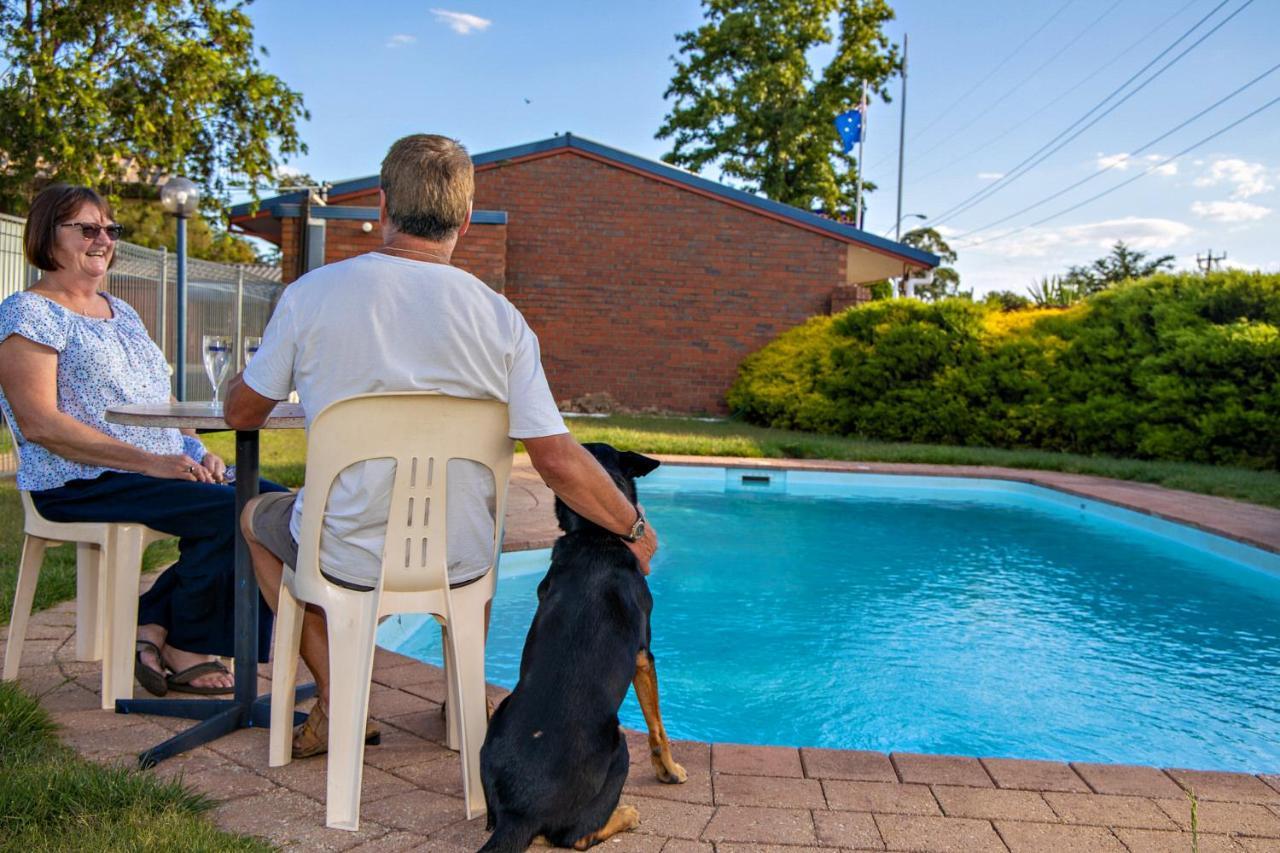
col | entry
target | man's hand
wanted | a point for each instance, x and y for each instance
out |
(645, 547)
(215, 466)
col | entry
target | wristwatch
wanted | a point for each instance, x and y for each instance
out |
(637, 529)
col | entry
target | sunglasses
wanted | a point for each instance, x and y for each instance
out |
(90, 230)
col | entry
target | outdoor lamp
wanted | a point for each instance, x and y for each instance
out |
(180, 197)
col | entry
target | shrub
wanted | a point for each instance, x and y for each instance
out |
(1176, 367)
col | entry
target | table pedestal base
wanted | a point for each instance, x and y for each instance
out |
(217, 717)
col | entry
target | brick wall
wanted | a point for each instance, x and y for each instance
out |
(641, 289)
(644, 290)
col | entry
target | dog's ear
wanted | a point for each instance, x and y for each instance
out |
(636, 465)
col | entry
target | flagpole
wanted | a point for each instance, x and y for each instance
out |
(902, 138)
(857, 216)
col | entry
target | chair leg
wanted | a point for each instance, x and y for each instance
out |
(122, 571)
(89, 601)
(453, 703)
(352, 626)
(28, 573)
(284, 673)
(467, 635)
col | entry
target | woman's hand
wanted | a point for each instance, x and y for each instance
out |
(179, 466)
(215, 466)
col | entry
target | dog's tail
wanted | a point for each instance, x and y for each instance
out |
(512, 836)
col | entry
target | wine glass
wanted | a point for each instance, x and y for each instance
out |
(251, 345)
(217, 358)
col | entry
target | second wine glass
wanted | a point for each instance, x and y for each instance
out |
(217, 358)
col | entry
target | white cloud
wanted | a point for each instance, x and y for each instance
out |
(1249, 179)
(401, 40)
(1145, 234)
(461, 22)
(1230, 211)
(990, 176)
(1121, 162)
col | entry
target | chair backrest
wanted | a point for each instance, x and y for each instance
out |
(421, 432)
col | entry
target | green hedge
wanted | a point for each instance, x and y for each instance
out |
(1178, 367)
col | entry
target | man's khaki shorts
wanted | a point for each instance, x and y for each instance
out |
(269, 524)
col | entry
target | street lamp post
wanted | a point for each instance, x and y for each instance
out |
(180, 198)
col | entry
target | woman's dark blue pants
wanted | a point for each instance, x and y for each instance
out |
(194, 599)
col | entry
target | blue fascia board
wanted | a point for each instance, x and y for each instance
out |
(246, 208)
(369, 214)
(676, 175)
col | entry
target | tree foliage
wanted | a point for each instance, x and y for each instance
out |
(147, 225)
(946, 280)
(113, 92)
(748, 99)
(1122, 264)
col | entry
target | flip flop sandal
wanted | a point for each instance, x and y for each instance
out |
(312, 736)
(152, 679)
(180, 682)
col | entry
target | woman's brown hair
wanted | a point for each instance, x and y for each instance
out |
(51, 208)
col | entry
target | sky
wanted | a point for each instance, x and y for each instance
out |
(991, 85)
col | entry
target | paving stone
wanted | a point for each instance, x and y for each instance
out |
(1027, 837)
(1034, 775)
(938, 834)
(276, 816)
(632, 842)
(462, 836)
(310, 777)
(406, 674)
(94, 719)
(760, 826)
(427, 723)
(775, 791)
(1231, 787)
(1127, 779)
(1233, 818)
(847, 764)
(890, 797)
(1108, 810)
(431, 687)
(418, 811)
(1162, 841)
(694, 757)
(400, 748)
(989, 803)
(740, 847)
(214, 776)
(250, 747)
(670, 819)
(442, 775)
(1272, 780)
(117, 742)
(941, 769)
(386, 702)
(756, 760)
(849, 830)
(680, 845)
(1258, 845)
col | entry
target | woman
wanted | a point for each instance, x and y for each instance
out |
(68, 351)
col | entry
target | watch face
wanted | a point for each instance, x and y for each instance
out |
(637, 530)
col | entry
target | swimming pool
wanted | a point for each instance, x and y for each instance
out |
(938, 615)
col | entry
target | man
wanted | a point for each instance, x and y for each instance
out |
(401, 318)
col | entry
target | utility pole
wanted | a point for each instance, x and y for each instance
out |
(902, 138)
(1206, 263)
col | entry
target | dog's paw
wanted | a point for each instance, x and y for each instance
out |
(628, 816)
(671, 773)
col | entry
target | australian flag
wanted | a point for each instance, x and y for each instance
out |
(849, 126)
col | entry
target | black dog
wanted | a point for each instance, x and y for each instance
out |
(554, 760)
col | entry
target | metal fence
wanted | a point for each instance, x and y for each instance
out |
(222, 299)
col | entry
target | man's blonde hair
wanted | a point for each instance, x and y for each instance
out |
(429, 181)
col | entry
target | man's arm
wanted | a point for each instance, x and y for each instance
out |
(246, 408)
(578, 480)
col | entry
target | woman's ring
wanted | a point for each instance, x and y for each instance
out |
(191, 469)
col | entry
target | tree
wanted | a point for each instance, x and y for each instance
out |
(748, 99)
(946, 281)
(1006, 300)
(1121, 265)
(147, 225)
(114, 92)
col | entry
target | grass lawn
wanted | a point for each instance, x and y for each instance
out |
(51, 799)
(283, 454)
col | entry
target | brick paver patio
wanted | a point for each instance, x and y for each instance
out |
(739, 799)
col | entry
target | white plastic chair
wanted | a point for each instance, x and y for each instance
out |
(108, 566)
(421, 432)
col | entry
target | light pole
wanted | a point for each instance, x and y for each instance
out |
(180, 197)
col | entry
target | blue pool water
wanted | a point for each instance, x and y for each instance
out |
(940, 616)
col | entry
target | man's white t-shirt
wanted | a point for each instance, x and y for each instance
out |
(382, 323)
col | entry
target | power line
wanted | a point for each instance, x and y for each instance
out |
(1055, 101)
(1123, 184)
(979, 114)
(1040, 155)
(1136, 151)
(989, 75)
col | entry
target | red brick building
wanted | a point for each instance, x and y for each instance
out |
(641, 280)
